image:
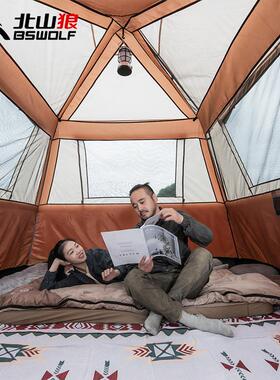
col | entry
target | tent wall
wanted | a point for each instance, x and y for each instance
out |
(85, 223)
(16, 233)
(256, 228)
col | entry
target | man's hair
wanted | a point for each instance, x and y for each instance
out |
(144, 186)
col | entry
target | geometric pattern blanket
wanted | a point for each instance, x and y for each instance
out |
(89, 351)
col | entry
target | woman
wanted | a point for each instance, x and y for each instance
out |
(93, 266)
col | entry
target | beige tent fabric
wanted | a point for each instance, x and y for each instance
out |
(105, 57)
(50, 171)
(168, 86)
(94, 58)
(126, 131)
(158, 11)
(84, 13)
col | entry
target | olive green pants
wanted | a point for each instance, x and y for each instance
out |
(163, 292)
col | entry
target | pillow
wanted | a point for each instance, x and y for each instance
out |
(263, 269)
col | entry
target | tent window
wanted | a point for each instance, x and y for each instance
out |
(15, 131)
(114, 167)
(23, 148)
(253, 126)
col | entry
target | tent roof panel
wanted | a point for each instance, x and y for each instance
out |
(57, 64)
(194, 50)
(136, 97)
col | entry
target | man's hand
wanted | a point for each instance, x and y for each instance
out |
(146, 264)
(109, 274)
(171, 214)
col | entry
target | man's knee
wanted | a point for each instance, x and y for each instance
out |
(202, 256)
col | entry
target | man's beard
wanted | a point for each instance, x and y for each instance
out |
(149, 213)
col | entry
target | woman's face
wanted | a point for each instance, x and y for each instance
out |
(73, 252)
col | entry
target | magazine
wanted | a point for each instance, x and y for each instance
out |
(129, 246)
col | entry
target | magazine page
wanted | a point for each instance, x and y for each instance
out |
(161, 242)
(126, 246)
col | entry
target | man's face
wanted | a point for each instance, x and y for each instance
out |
(144, 204)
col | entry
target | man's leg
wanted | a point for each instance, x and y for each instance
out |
(189, 283)
(194, 275)
(150, 290)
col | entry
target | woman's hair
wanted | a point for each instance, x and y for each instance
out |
(57, 253)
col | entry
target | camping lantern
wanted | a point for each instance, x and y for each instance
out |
(124, 59)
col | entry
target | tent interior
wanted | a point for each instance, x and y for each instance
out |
(198, 118)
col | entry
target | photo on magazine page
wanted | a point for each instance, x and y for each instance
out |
(161, 242)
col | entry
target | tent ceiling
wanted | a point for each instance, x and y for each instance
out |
(119, 7)
(194, 39)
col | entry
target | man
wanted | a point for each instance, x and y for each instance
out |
(159, 284)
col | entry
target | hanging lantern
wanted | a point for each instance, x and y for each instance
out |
(124, 59)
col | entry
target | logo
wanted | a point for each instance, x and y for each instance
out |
(3, 33)
(45, 27)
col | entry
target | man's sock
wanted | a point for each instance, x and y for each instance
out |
(152, 323)
(205, 324)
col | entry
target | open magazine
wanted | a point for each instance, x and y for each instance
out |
(129, 246)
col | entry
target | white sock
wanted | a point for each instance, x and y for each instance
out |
(152, 323)
(202, 323)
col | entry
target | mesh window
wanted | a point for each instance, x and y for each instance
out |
(15, 131)
(23, 149)
(114, 167)
(254, 128)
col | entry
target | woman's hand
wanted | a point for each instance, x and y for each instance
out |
(56, 264)
(109, 274)
(146, 264)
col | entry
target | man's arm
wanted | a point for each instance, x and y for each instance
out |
(196, 231)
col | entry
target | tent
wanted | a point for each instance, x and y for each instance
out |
(198, 119)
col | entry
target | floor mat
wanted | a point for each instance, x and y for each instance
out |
(91, 351)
